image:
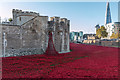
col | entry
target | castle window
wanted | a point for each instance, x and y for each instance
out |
(19, 18)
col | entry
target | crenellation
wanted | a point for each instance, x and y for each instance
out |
(20, 12)
(64, 20)
(51, 18)
(55, 19)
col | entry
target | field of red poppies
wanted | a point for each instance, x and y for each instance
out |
(84, 61)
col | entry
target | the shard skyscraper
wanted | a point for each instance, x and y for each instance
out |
(108, 14)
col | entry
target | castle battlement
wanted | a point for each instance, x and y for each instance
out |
(55, 18)
(64, 20)
(24, 13)
(20, 17)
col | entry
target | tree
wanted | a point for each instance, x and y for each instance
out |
(101, 32)
(112, 36)
(10, 19)
(98, 33)
(115, 36)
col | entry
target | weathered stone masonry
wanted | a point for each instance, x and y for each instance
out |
(31, 36)
(61, 33)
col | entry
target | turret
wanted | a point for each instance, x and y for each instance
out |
(20, 17)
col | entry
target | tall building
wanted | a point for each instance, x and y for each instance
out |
(76, 36)
(108, 14)
(111, 27)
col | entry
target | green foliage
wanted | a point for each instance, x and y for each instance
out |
(10, 19)
(101, 32)
(115, 36)
(98, 33)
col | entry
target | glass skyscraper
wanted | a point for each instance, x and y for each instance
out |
(108, 14)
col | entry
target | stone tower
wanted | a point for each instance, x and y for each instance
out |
(108, 14)
(20, 17)
(60, 33)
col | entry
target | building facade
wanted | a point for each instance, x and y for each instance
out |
(76, 36)
(108, 14)
(89, 38)
(111, 27)
(116, 28)
(29, 35)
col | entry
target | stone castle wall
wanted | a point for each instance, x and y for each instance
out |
(30, 38)
(20, 17)
(0, 41)
(61, 34)
(30, 35)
